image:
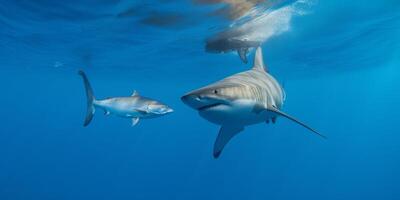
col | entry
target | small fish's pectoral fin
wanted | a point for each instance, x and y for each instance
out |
(135, 120)
(243, 54)
(226, 133)
(135, 93)
(280, 113)
(106, 112)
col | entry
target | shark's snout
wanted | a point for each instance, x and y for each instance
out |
(169, 110)
(200, 101)
(191, 100)
(160, 109)
(194, 100)
(191, 97)
(184, 98)
(166, 110)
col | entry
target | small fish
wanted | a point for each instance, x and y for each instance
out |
(240, 100)
(134, 107)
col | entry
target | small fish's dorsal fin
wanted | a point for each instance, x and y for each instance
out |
(258, 61)
(135, 93)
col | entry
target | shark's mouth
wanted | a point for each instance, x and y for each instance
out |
(209, 106)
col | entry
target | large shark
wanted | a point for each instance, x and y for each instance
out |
(134, 107)
(246, 98)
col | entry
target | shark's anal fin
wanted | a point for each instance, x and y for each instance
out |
(280, 113)
(243, 54)
(135, 120)
(226, 133)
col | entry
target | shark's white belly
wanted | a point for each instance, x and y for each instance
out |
(121, 109)
(239, 112)
(124, 112)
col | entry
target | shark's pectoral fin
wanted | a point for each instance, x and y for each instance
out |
(135, 120)
(226, 133)
(280, 113)
(243, 54)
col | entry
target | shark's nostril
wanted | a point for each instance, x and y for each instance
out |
(184, 98)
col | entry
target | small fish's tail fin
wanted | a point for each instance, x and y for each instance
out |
(90, 99)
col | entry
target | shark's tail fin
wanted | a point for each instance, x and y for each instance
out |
(90, 99)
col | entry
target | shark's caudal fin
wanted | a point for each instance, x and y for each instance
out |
(258, 61)
(280, 113)
(90, 99)
(226, 133)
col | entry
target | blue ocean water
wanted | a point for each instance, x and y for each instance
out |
(339, 63)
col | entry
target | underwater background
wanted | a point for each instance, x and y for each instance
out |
(338, 61)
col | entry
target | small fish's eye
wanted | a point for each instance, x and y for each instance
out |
(215, 91)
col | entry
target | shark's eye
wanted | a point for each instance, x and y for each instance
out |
(215, 91)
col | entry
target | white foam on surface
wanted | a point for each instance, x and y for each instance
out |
(270, 23)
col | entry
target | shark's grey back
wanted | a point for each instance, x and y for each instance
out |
(255, 84)
(258, 85)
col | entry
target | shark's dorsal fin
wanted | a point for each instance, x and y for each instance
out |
(258, 61)
(226, 133)
(135, 93)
